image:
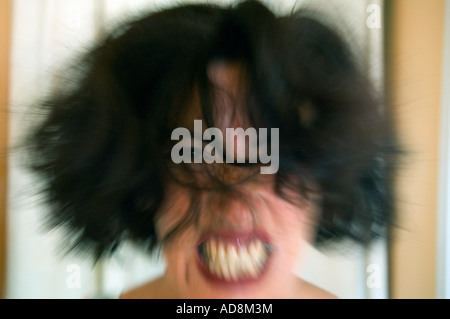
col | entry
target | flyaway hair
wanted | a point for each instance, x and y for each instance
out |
(103, 148)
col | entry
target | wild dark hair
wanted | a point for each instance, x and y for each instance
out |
(103, 148)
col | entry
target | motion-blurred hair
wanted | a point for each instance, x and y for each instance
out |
(103, 149)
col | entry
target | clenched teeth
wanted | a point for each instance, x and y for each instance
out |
(233, 262)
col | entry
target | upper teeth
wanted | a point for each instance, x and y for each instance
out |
(234, 262)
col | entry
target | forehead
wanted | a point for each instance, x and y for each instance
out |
(227, 85)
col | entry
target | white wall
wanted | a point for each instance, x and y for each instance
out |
(45, 34)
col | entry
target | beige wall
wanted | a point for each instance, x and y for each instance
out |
(4, 65)
(415, 63)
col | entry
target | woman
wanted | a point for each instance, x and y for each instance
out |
(166, 135)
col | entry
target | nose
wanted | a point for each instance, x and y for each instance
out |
(231, 210)
(230, 175)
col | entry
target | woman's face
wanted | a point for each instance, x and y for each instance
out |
(245, 241)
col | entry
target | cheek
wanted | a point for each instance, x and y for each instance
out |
(293, 230)
(178, 251)
(179, 248)
(180, 261)
(172, 211)
(293, 217)
(299, 224)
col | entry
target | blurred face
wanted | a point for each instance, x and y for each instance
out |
(231, 236)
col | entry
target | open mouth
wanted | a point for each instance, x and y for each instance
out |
(234, 258)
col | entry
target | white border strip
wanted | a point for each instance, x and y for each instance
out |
(376, 279)
(443, 239)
